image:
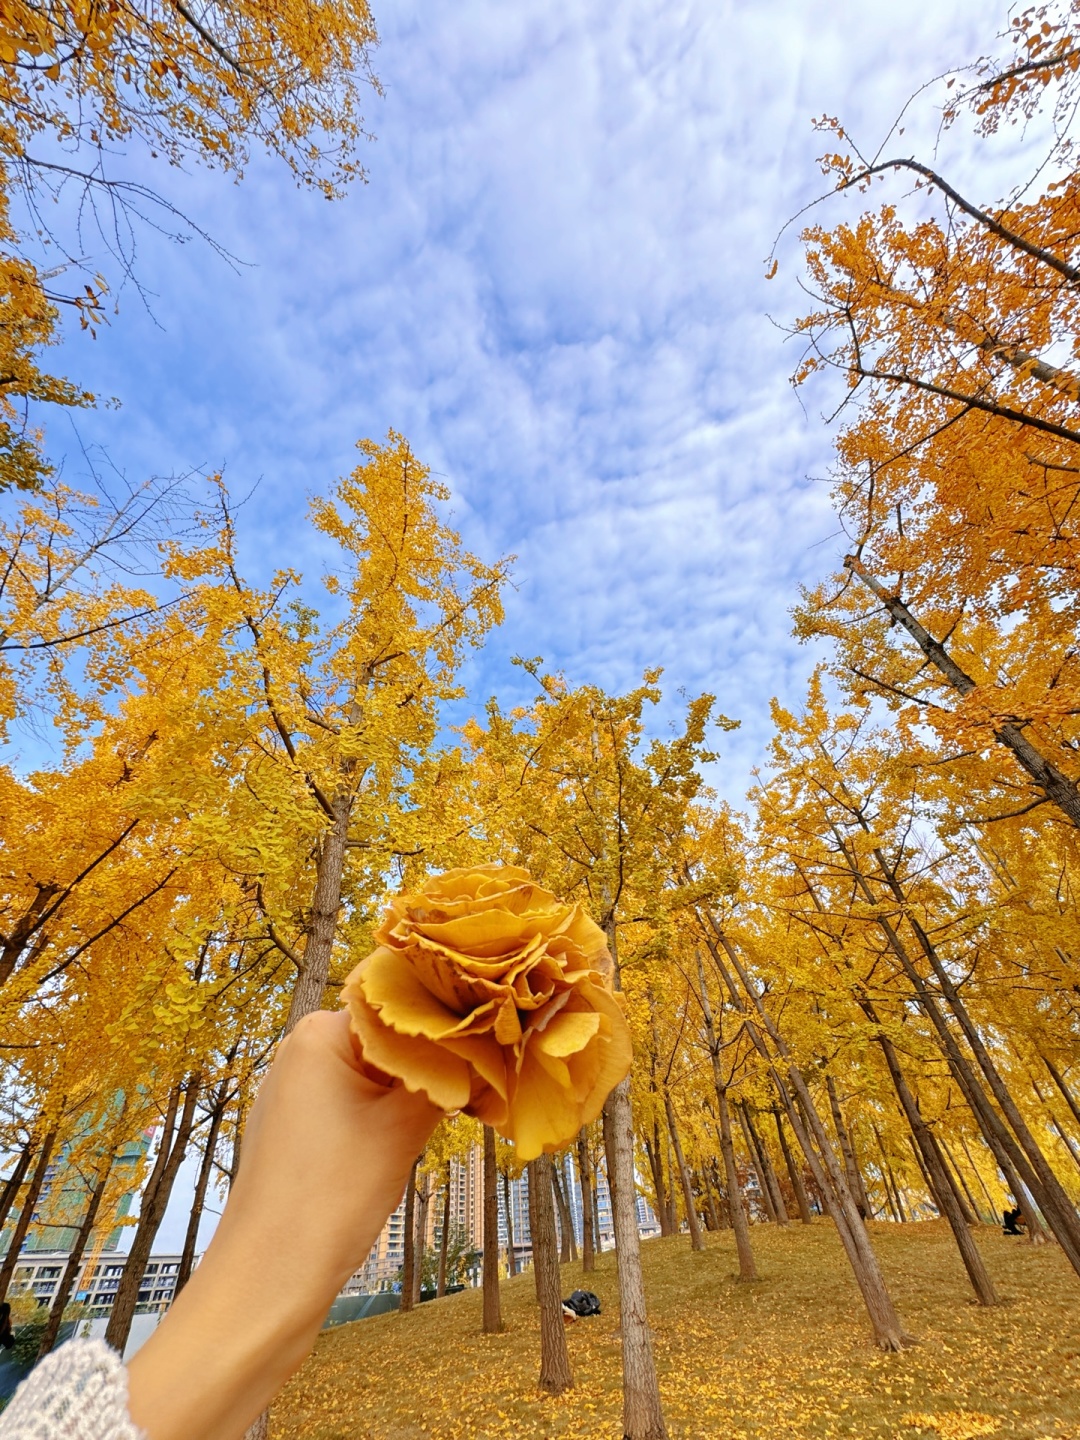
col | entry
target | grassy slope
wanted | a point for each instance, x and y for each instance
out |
(789, 1357)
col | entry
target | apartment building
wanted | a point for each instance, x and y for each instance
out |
(99, 1279)
(380, 1270)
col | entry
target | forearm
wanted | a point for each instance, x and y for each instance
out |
(326, 1157)
(243, 1324)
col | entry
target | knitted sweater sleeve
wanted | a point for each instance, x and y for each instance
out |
(79, 1392)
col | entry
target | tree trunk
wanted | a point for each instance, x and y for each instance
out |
(555, 1373)
(755, 1161)
(991, 1211)
(444, 1238)
(1033, 1168)
(1066, 1093)
(15, 1180)
(656, 1165)
(888, 1332)
(408, 1242)
(779, 1204)
(673, 1209)
(191, 1237)
(567, 1242)
(588, 1242)
(890, 1198)
(74, 1262)
(511, 1257)
(423, 1200)
(712, 1217)
(847, 1150)
(794, 1172)
(643, 1416)
(1063, 1137)
(696, 1242)
(26, 1212)
(722, 1204)
(958, 1184)
(596, 1211)
(152, 1207)
(1009, 1155)
(937, 1173)
(311, 983)
(736, 1206)
(890, 1180)
(739, 1221)
(493, 1323)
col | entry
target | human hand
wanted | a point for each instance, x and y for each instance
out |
(326, 1155)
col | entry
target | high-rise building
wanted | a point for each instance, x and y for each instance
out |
(381, 1269)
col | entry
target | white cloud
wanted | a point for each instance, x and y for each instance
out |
(554, 284)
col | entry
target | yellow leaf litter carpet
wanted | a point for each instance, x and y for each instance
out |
(787, 1358)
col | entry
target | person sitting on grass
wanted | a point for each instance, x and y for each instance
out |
(1014, 1222)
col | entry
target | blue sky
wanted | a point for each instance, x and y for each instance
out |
(553, 284)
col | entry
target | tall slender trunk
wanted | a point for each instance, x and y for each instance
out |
(794, 1172)
(940, 1180)
(736, 1205)
(313, 979)
(779, 1204)
(964, 1198)
(673, 1208)
(897, 1203)
(755, 1160)
(931, 1189)
(888, 1332)
(74, 1261)
(1066, 1093)
(596, 1210)
(511, 1257)
(198, 1200)
(712, 1216)
(993, 1211)
(26, 1213)
(555, 1373)
(886, 1179)
(656, 1165)
(588, 1241)
(1034, 1169)
(1063, 1137)
(423, 1200)
(847, 1150)
(444, 1238)
(723, 1209)
(696, 1241)
(408, 1241)
(15, 1180)
(643, 1415)
(493, 1322)
(1005, 1147)
(152, 1207)
(567, 1248)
